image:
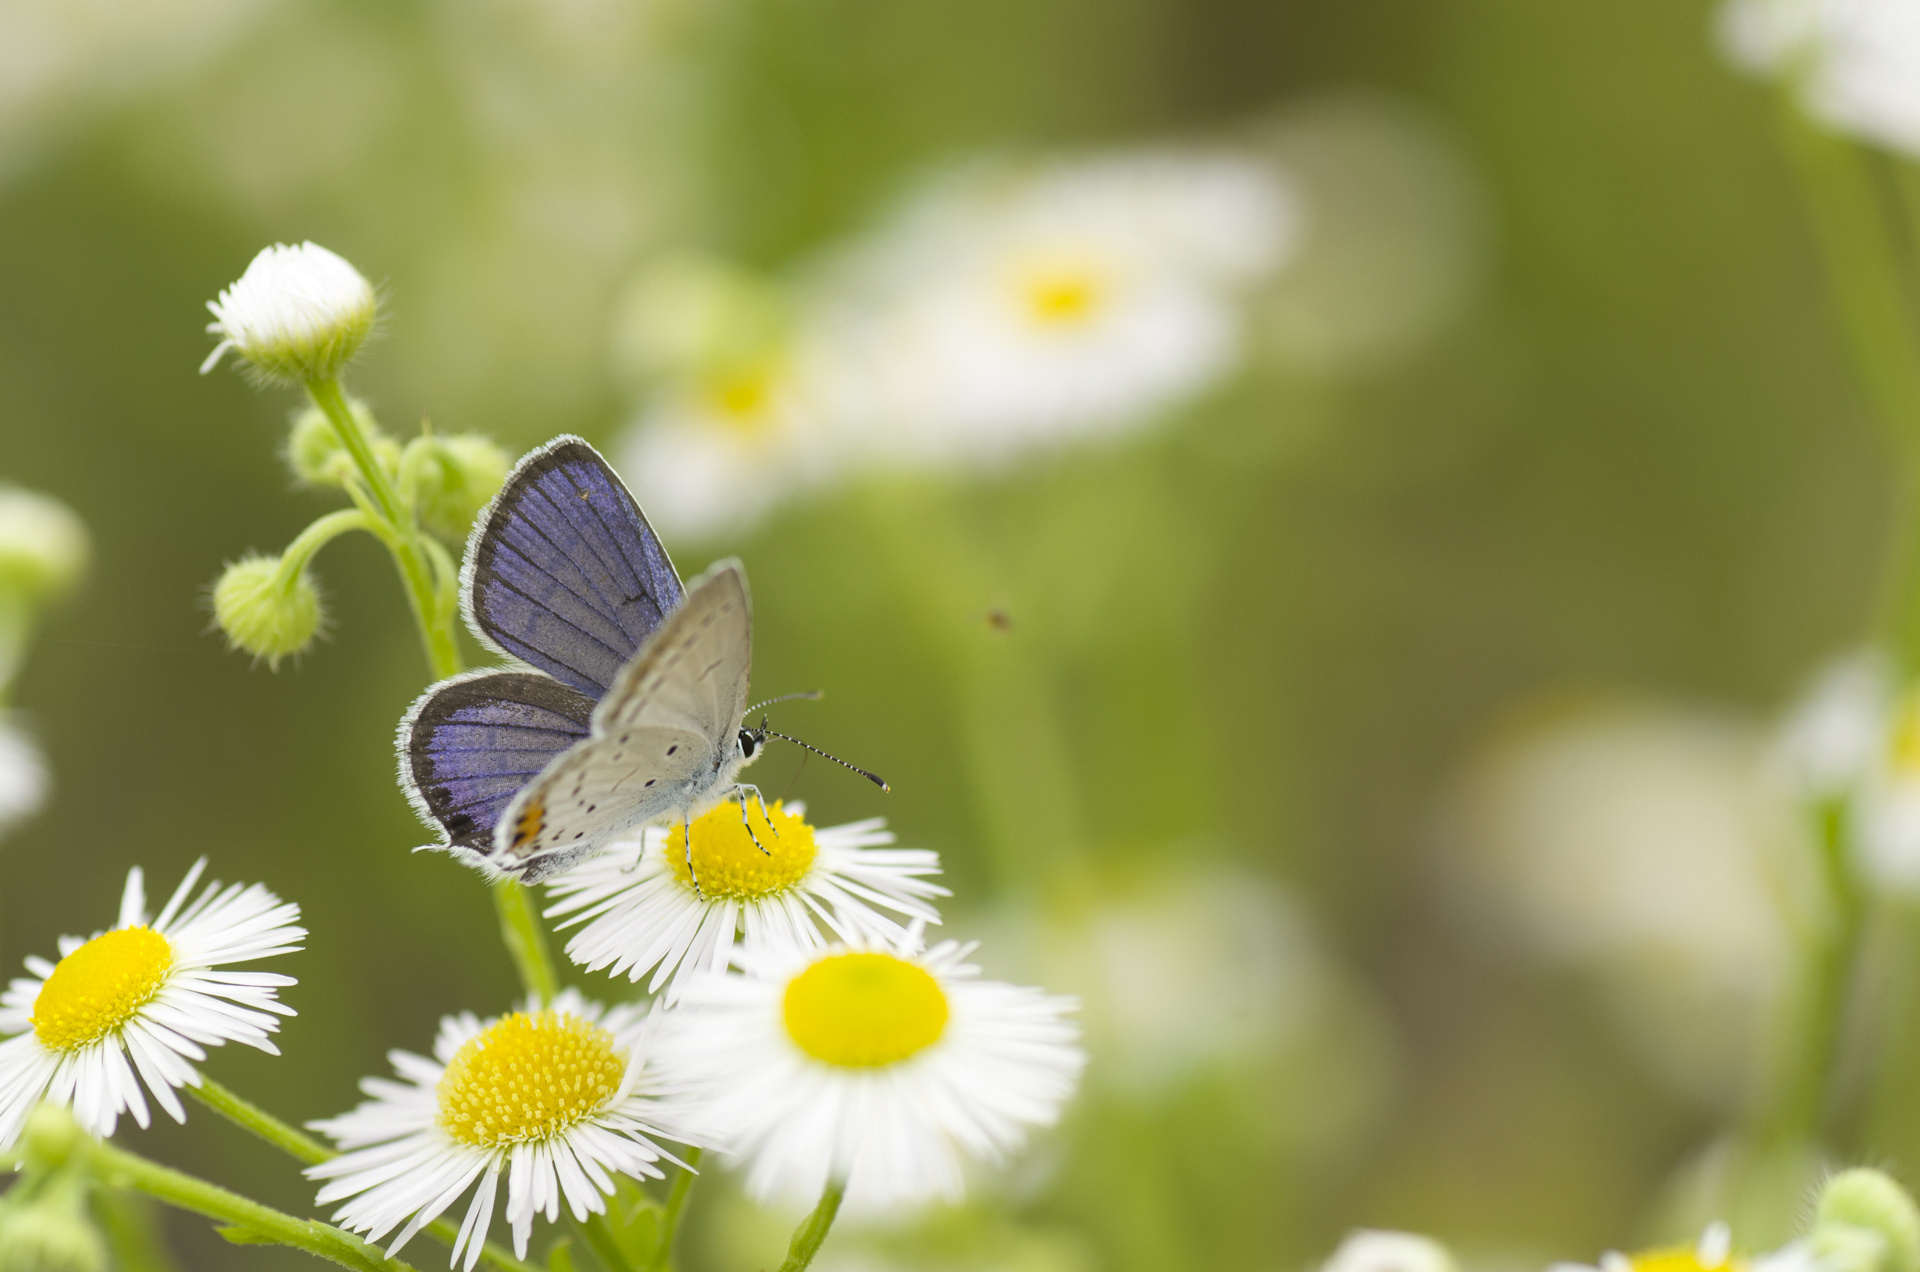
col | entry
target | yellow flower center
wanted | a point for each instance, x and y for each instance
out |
(1062, 295)
(1906, 734)
(865, 1010)
(726, 859)
(97, 988)
(1680, 1259)
(742, 395)
(528, 1078)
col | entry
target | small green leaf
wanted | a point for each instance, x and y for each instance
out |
(560, 1258)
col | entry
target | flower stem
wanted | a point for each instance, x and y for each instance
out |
(430, 612)
(526, 940)
(593, 1230)
(118, 1168)
(813, 1229)
(670, 1222)
(309, 1151)
(132, 1235)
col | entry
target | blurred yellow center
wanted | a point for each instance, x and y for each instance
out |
(1906, 734)
(1678, 1259)
(742, 395)
(528, 1078)
(865, 1010)
(1062, 296)
(726, 861)
(97, 988)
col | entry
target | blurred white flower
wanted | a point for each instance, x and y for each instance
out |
(1854, 63)
(1835, 736)
(1713, 1252)
(24, 781)
(1647, 846)
(43, 545)
(1371, 1250)
(1004, 308)
(298, 313)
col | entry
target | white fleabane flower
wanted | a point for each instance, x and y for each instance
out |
(1854, 63)
(1834, 737)
(1373, 1250)
(1008, 309)
(23, 776)
(297, 314)
(559, 1100)
(643, 914)
(143, 998)
(875, 1066)
(1713, 1252)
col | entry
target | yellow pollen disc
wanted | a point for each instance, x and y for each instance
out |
(865, 1010)
(742, 396)
(1682, 1259)
(528, 1078)
(1062, 297)
(726, 861)
(97, 988)
(1906, 734)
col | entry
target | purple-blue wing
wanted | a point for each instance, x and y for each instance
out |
(470, 743)
(563, 571)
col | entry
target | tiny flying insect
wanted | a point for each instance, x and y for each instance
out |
(631, 703)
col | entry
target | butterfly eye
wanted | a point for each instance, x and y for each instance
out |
(748, 744)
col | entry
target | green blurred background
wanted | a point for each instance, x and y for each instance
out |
(1636, 459)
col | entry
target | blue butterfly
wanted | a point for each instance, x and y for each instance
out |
(634, 705)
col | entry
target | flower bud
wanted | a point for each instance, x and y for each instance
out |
(1865, 1222)
(23, 776)
(452, 478)
(1372, 1250)
(297, 314)
(43, 546)
(319, 458)
(52, 1136)
(264, 614)
(50, 1230)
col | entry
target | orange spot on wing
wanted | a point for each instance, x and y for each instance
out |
(530, 822)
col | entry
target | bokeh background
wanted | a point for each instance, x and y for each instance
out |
(1357, 677)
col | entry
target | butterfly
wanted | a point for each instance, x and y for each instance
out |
(633, 702)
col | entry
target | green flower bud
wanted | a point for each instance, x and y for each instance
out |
(268, 616)
(1867, 1223)
(452, 478)
(52, 1136)
(50, 1230)
(297, 314)
(43, 546)
(319, 458)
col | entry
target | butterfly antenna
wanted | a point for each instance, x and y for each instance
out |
(875, 778)
(811, 695)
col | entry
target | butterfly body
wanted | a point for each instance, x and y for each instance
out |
(629, 706)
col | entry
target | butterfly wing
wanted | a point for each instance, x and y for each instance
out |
(469, 744)
(563, 571)
(664, 740)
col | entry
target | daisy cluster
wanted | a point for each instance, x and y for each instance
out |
(998, 310)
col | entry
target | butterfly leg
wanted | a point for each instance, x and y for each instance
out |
(740, 793)
(686, 825)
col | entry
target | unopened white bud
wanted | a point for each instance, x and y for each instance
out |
(452, 478)
(43, 545)
(318, 456)
(297, 314)
(264, 614)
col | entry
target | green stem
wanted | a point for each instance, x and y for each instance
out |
(309, 1151)
(1802, 1104)
(132, 1235)
(118, 1168)
(813, 1229)
(429, 611)
(526, 940)
(670, 1222)
(601, 1241)
(249, 1116)
(317, 536)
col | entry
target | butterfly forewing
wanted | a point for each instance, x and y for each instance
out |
(663, 741)
(563, 570)
(470, 744)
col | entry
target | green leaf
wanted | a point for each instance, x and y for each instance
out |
(634, 1219)
(560, 1257)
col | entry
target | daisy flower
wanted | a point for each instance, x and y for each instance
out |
(298, 313)
(1008, 309)
(559, 1100)
(642, 912)
(144, 992)
(1713, 1252)
(875, 1066)
(1855, 64)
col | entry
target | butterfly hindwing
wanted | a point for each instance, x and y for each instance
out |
(563, 571)
(664, 740)
(470, 744)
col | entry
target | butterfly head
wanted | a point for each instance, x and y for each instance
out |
(750, 741)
